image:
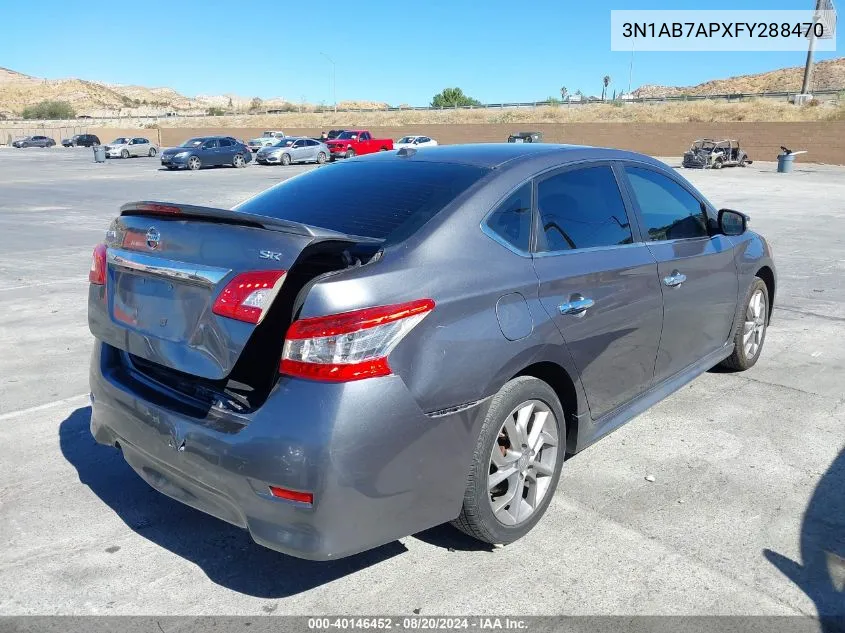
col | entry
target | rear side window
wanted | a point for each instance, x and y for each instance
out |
(669, 211)
(582, 208)
(511, 220)
(387, 200)
(224, 142)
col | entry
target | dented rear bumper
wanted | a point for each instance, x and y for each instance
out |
(378, 467)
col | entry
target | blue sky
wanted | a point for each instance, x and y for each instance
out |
(399, 51)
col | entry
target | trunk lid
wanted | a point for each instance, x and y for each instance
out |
(166, 266)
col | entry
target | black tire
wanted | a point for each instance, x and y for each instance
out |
(285, 160)
(740, 360)
(350, 153)
(238, 161)
(321, 158)
(743, 161)
(383, 149)
(124, 153)
(477, 518)
(194, 163)
(152, 151)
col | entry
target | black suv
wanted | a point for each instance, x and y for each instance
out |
(81, 140)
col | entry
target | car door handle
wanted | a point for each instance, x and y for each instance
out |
(675, 279)
(577, 304)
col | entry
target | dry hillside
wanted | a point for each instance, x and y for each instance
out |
(102, 100)
(98, 99)
(827, 75)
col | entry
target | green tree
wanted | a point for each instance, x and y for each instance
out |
(49, 110)
(453, 98)
(215, 111)
(563, 93)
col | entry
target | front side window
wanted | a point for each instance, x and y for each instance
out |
(582, 208)
(669, 211)
(511, 221)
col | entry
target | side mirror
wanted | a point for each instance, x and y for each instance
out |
(732, 222)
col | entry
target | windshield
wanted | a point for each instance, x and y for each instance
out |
(406, 139)
(271, 134)
(345, 136)
(192, 142)
(120, 141)
(285, 142)
(704, 145)
(387, 200)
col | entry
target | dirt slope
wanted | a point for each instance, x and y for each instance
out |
(827, 75)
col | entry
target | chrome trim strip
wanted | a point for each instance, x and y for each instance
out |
(589, 249)
(485, 228)
(161, 267)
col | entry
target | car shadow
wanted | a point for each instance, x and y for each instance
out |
(821, 572)
(447, 537)
(225, 553)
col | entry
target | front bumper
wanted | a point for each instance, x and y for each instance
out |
(378, 467)
(173, 161)
(694, 161)
(268, 158)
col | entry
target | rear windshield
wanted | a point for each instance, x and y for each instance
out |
(386, 200)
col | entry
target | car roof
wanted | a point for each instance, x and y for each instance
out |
(496, 155)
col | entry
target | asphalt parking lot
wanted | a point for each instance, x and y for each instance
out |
(746, 513)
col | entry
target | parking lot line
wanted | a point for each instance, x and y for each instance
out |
(41, 407)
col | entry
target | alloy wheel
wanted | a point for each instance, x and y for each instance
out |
(522, 462)
(755, 324)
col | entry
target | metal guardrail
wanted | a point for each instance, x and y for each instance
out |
(839, 94)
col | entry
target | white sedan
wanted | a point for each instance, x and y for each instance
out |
(414, 141)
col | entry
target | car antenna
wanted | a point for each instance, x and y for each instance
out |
(406, 151)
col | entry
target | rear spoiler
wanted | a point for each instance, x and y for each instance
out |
(227, 216)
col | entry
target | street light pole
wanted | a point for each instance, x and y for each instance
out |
(334, 82)
(808, 66)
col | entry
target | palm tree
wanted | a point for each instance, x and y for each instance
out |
(605, 83)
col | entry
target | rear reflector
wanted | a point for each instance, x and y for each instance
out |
(249, 295)
(97, 274)
(292, 495)
(349, 346)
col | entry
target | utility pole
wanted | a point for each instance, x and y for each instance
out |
(808, 67)
(334, 82)
(631, 66)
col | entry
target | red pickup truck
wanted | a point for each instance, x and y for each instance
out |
(352, 142)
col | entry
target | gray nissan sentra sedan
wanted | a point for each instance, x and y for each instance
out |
(409, 338)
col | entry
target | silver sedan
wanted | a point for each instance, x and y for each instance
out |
(293, 149)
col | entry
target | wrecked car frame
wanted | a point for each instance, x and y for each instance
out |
(710, 153)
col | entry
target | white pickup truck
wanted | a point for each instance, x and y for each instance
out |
(267, 138)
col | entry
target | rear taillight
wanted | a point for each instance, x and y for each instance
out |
(249, 295)
(97, 274)
(349, 346)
